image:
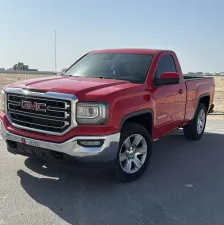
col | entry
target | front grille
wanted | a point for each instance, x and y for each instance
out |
(39, 113)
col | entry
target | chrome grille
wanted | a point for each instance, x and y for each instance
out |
(42, 114)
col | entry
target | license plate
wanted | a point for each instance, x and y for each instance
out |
(31, 142)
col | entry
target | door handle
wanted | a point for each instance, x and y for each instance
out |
(180, 91)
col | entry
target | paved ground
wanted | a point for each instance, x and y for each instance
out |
(183, 185)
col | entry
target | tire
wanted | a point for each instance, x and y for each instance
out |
(132, 160)
(192, 131)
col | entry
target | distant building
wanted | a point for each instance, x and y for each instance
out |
(2, 70)
(21, 67)
(191, 74)
(199, 73)
(217, 74)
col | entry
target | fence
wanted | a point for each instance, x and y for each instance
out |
(28, 72)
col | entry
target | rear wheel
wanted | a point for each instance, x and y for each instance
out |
(195, 129)
(134, 152)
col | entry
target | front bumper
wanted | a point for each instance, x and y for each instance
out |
(104, 153)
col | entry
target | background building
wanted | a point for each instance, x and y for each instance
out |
(21, 67)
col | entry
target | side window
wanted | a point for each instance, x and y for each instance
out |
(166, 64)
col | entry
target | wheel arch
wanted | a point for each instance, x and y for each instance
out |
(204, 98)
(143, 117)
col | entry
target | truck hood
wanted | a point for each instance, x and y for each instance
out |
(79, 86)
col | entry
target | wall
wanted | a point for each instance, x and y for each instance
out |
(28, 72)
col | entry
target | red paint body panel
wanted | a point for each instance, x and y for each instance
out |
(172, 105)
(195, 90)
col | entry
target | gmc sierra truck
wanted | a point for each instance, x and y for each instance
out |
(107, 107)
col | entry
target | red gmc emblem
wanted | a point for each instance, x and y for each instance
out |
(35, 106)
(23, 140)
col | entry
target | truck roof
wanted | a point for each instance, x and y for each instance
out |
(129, 50)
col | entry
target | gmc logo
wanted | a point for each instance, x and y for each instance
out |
(35, 106)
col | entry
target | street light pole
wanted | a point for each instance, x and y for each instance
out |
(55, 53)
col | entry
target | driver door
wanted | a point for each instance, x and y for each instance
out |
(169, 105)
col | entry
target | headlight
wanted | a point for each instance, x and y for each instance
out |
(92, 113)
(2, 106)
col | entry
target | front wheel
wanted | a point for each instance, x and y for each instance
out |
(195, 129)
(134, 152)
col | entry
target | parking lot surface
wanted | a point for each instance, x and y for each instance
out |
(184, 184)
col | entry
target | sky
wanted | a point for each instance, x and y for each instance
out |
(194, 29)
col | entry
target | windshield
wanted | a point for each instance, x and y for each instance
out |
(130, 67)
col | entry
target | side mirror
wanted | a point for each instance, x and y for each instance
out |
(168, 78)
(63, 70)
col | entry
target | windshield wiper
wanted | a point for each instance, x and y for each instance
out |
(69, 75)
(98, 77)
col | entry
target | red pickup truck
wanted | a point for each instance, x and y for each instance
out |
(107, 107)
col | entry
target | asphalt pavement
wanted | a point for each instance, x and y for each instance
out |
(184, 184)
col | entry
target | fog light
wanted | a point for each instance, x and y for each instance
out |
(90, 143)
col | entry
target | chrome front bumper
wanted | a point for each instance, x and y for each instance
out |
(104, 153)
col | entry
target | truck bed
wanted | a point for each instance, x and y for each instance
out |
(205, 83)
(195, 78)
(196, 87)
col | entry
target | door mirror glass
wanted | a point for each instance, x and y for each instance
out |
(168, 78)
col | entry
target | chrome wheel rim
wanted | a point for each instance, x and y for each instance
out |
(133, 153)
(201, 121)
